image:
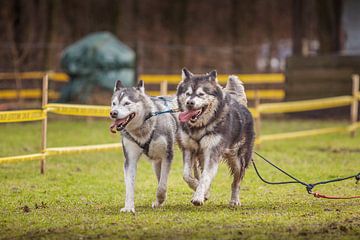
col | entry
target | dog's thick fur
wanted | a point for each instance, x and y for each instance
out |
(215, 124)
(154, 136)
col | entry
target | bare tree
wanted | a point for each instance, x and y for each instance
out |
(13, 30)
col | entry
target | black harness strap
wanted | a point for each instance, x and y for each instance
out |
(144, 146)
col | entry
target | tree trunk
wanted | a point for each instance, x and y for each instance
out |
(54, 7)
(329, 15)
(297, 27)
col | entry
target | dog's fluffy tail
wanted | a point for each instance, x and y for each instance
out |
(235, 87)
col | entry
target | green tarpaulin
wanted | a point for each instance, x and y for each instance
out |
(96, 60)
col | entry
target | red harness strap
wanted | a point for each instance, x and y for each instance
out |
(318, 195)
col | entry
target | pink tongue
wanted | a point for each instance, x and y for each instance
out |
(185, 116)
(119, 121)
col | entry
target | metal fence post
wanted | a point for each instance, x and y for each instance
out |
(355, 102)
(45, 87)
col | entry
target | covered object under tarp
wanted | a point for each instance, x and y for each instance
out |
(96, 60)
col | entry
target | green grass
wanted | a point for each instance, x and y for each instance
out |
(80, 196)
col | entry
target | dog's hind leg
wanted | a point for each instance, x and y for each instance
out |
(237, 166)
(236, 171)
(157, 170)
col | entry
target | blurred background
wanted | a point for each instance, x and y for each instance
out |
(314, 42)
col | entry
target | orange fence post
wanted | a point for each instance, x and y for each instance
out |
(355, 102)
(45, 87)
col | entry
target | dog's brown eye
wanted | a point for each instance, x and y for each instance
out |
(126, 103)
(187, 94)
(201, 94)
(113, 103)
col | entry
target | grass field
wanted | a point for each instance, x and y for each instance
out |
(80, 196)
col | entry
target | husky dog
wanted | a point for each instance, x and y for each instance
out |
(215, 124)
(131, 110)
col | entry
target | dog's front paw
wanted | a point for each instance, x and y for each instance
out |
(127, 209)
(197, 201)
(234, 203)
(156, 204)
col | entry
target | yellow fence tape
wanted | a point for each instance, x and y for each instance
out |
(30, 157)
(79, 110)
(254, 113)
(55, 76)
(81, 149)
(62, 151)
(250, 94)
(103, 111)
(222, 78)
(154, 78)
(305, 133)
(306, 105)
(21, 116)
(58, 77)
(27, 93)
(117, 146)
(297, 134)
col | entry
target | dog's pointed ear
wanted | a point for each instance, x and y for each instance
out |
(186, 74)
(213, 75)
(118, 85)
(140, 86)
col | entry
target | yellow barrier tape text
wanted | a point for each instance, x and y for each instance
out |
(21, 116)
(79, 110)
(30, 157)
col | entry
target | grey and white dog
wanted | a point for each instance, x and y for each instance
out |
(131, 110)
(215, 124)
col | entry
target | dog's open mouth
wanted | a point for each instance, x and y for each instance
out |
(121, 123)
(191, 115)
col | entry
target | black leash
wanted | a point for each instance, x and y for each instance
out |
(165, 100)
(152, 114)
(309, 187)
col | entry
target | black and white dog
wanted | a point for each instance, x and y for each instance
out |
(214, 124)
(131, 111)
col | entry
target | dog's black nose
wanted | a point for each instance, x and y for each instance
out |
(114, 114)
(190, 103)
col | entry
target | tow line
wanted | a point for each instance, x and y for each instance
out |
(309, 186)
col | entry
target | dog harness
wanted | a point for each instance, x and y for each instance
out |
(144, 146)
